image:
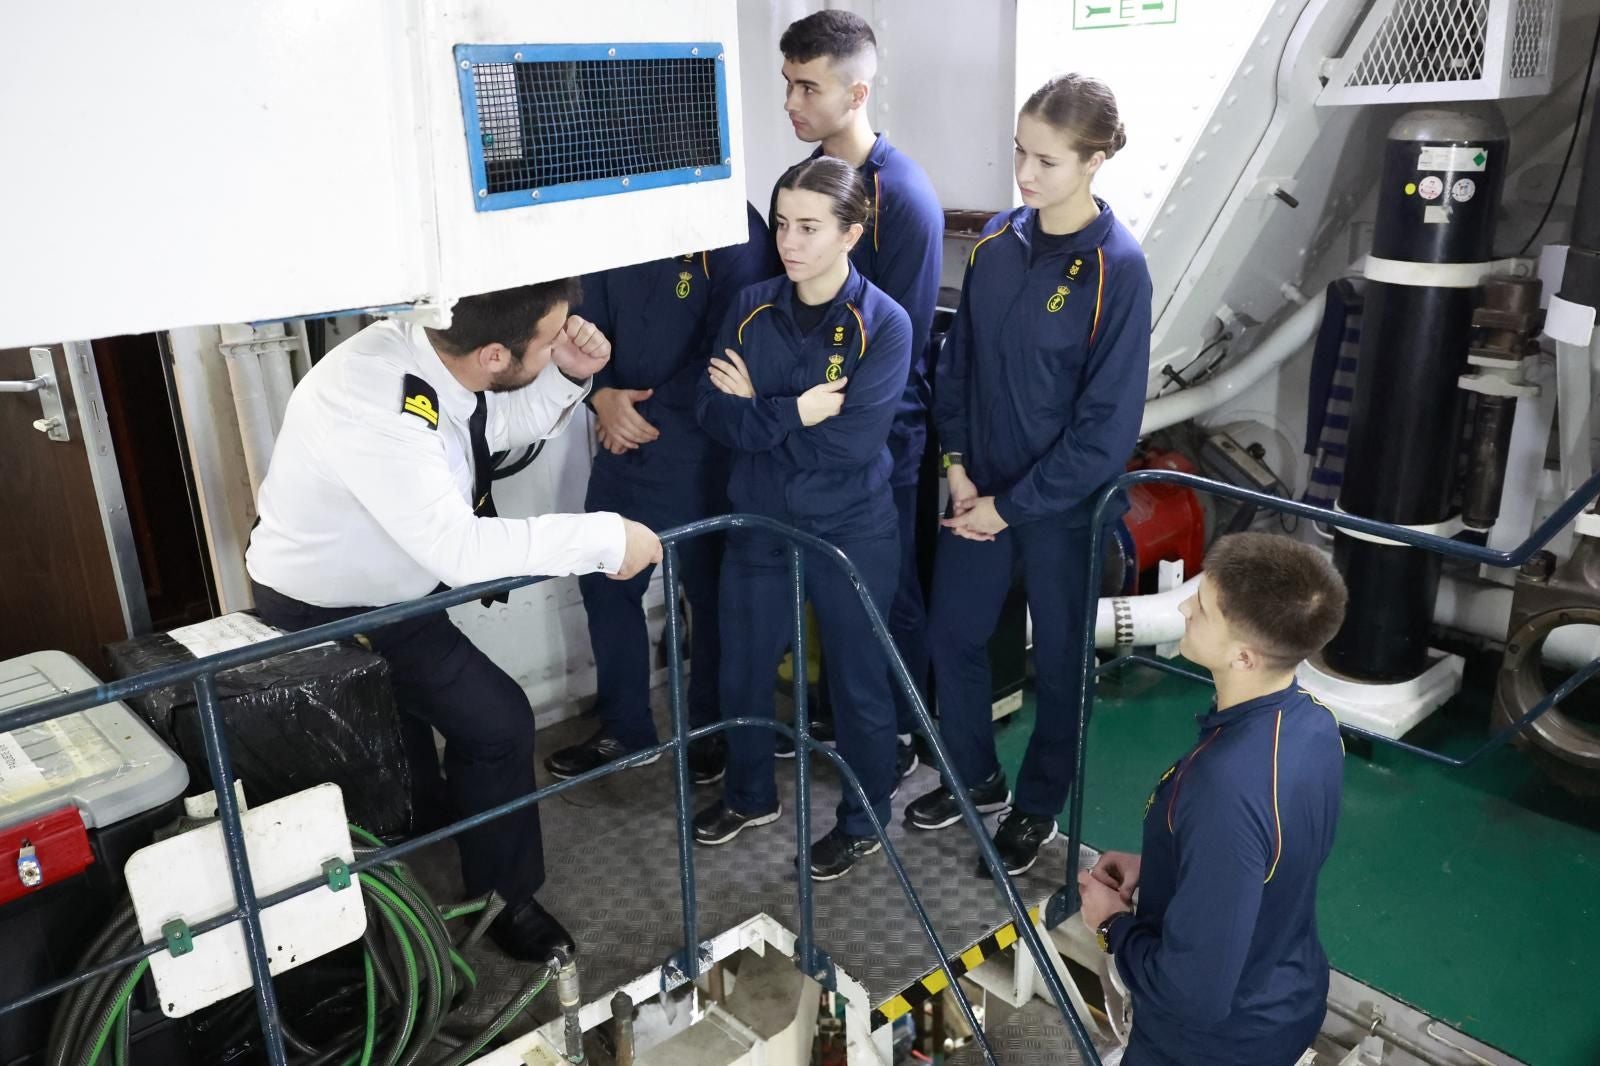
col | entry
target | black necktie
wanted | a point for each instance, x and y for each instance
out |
(483, 473)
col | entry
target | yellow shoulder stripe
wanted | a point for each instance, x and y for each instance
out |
(1277, 819)
(973, 258)
(747, 319)
(862, 327)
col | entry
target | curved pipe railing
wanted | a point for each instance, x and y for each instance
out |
(201, 673)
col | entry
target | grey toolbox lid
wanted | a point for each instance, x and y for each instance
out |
(104, 760)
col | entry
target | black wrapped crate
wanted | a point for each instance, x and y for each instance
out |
(321, 714)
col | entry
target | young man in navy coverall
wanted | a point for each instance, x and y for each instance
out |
(829, 61)
(657, 466)
(1221, 954)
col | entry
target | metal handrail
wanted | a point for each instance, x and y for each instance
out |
(202, 674)
(1065, 902)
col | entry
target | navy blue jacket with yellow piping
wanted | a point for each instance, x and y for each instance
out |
(902, 253)
(1222, 958)
(661, 318)
(1041, 383)
(831, 479)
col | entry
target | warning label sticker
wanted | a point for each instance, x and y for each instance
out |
(223, 634)
(1452, 159)
(1463, 190)
(1430, 188)
(20, 776)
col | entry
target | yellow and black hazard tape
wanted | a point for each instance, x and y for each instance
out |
(934, 981)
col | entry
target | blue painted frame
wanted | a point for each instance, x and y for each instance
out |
(469, 56)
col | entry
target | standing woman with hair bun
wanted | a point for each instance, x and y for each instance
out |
(1041, 390)
(803, 386)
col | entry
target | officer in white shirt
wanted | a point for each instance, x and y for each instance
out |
(378, 492)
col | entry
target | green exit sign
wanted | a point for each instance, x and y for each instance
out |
(1122, 14)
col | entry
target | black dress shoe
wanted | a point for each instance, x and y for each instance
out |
(592, 754)
(529, 933)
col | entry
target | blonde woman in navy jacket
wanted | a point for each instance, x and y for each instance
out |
(803, 386)
(1040, 393)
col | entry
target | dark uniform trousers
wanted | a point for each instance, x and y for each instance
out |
(908, 620)
(442, 681)
(970, 582)
(758, 626)
(660, 495)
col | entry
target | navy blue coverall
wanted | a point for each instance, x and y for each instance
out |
(1222, 958)
(902, 253)
(661, 318)
(830, 480)
(1041, 389)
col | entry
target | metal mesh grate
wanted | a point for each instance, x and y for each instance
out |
(1426, 41)
(554, 123)
(1531, 37)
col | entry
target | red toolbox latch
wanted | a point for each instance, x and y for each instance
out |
(42, 851)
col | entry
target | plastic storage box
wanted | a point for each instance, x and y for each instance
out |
(82, 793)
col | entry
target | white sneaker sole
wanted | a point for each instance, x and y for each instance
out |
(765, 819)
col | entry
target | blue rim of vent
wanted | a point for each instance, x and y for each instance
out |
(470, 56)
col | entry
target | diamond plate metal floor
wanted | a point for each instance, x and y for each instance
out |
(611, 851)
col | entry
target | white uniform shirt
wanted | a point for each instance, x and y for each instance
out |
(365, 504)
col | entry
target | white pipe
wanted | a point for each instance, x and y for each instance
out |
(1154, 619)
(1573, 397)
(277, 374)
(1484, 610)
(1295, 332)
(1474, 607)
(255, 421)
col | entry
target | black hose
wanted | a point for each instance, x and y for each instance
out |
(292, 1038)
(91, 998)
(100, 1019)
(92, 956)
(506, 1015)
(122, 1053)
(373, 940)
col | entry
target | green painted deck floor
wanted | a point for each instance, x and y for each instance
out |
(1472, 894)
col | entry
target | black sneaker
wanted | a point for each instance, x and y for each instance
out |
(719, 823)
(1018, 841)
(592, 754)
(834, 855)
(938, 809)
(821, 729)
(708, 759)
(905, 758)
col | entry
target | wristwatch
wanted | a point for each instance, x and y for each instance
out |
(1102, 935)
(948, 460)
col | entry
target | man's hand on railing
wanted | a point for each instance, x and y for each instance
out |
(644, 549)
